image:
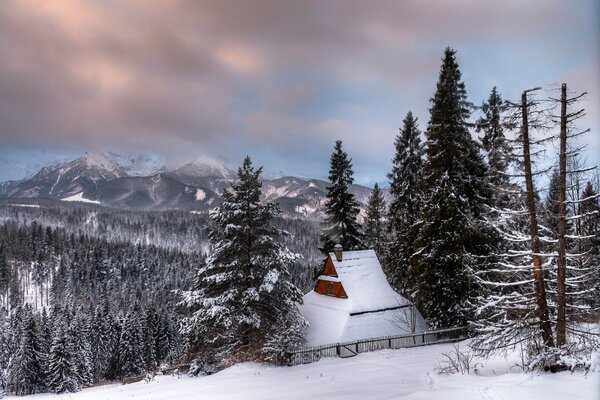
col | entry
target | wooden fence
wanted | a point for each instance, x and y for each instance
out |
(350, 349)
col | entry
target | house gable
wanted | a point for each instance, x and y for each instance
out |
(330, 288)
(329, 268)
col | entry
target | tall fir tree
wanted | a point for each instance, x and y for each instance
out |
(341, 208)
(451, 233)
(407, 195)
(550, 216)
(590, 228)
(24, 373)
(130, 351)
(492, 124)
(62, 370)
(83, 351)
(375, 232)
(242, 300)
(2, 384)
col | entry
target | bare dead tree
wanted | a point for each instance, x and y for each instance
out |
(540, 286)
(561, 297)
(568, 132)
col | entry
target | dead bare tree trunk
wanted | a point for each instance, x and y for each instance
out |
(561, 298)
(540, 287)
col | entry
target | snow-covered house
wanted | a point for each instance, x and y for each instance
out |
(353, 300)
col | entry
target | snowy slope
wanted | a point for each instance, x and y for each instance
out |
(388, 374)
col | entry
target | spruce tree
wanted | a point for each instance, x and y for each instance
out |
(341, 208)
(62, 370)
(243, 292)
(550, 211)
(493, 125)
(24, 372)
(451, 233)
(374, 223)
(130, 351)
(590, 228)
(150, 336)
(5, 339)
(80, 331)
(406, 193)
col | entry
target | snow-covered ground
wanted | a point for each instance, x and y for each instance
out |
(79, 197)
(388, 374)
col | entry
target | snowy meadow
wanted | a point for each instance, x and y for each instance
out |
(387, 374)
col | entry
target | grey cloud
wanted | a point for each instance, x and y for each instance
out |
(187, 75)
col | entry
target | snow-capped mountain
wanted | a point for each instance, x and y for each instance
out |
(202, 168)
(112, 180)
(5, 187)
(137, 164)
(68, 179)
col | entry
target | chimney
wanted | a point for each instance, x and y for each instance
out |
(337, 249)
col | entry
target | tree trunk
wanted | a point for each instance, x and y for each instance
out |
(561, 298)
(540, 287)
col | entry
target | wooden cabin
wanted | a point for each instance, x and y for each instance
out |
(353, 300)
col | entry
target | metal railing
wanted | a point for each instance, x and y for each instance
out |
(350, 349)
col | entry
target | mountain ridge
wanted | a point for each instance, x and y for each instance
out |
(196, 186)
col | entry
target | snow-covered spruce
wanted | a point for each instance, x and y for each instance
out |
(407, 196)
(375, 223)
(451, 231)
(242, 305)
(62, 370)
(341, 208)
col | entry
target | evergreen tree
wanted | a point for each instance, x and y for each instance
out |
(4, 275)
(5, 340)
(80, 331)
(492, 124)
(450, 233)
(590, 229)
(243, 291)
(130, 351)
(1, 384)
(406, 193)
(24, 372)
(550, 211)
(62, 370)
(341, 208)
(150, 334)
(374, 222)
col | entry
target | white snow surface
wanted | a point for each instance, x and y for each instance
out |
(369, 296)
(387, 374)
(200, 194)
(205, 166)
(364, 282)
(93, 159)
(137, 164)
(79, 197)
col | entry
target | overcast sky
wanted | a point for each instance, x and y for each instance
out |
(278, 80)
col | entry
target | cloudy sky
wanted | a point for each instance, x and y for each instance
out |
(279, 80)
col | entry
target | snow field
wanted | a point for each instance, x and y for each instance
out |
(388, 374)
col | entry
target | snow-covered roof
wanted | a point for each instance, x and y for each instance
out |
(372, 308)
(365, 283)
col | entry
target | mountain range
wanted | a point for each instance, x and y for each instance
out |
(142, 183)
